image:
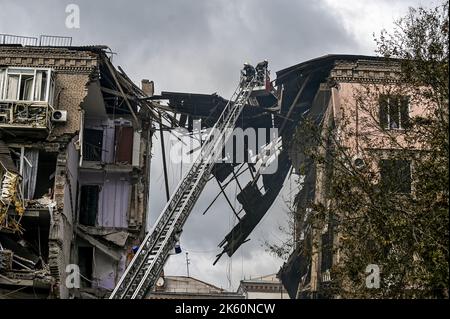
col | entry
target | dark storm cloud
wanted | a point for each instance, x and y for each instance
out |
(190, 45)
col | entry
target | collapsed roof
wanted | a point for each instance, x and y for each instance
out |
(300, 95)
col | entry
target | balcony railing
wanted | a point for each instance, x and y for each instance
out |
(25, 115)
(44, 40)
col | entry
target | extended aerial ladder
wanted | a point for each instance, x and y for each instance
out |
(146, 266)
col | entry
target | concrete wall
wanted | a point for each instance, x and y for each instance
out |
(362, 117)
(105, 270)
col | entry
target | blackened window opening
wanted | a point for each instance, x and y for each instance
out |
(45, 178)
(85, 260)
(89, 204)
(92, 145)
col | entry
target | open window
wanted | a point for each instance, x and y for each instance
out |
(85, 262)
(394, 112)
(38, 169)
(45, 175)
(27, 84)
(92, 144)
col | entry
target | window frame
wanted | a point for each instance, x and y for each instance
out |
(387, 98)
(7, 71)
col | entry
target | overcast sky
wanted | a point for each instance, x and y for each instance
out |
(199, 46)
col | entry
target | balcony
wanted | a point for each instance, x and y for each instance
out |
(26, 99)
(25, 115)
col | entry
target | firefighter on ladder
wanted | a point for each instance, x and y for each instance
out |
(247, 74)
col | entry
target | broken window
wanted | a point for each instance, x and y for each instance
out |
(45, 176)
(394, 111)
(396, 176)
(26, 84)
(92, 144)
(38, 171)
(85, 261)
(29, 169)
(89, 196)
(124, 144)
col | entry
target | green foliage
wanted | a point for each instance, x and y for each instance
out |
(405, 233)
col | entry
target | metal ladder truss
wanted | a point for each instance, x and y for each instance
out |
(145, 268)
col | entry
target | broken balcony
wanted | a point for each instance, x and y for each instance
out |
(35, 188)
(26, 98)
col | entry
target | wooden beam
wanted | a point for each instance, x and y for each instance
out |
(113, 73)
(291, 108)
(228, 200)
(163, 151)
(114, 92)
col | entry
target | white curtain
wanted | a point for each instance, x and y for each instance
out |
(38, 86)
(27, 87)
(30, 172)
(13, 87)
(2, 81)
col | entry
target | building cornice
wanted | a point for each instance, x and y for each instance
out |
(366, 71)
(60, 59)
(262, 287)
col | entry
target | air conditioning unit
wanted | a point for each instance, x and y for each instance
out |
(59, 116)
(358, 161)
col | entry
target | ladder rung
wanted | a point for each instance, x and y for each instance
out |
(145, 268)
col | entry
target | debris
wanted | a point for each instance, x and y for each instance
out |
(23, 253)
(118, 238)
(6, 259)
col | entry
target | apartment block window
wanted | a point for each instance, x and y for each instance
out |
(89, 196)
(394, 111)
(85, 262)
(396, 176)
(27, 84)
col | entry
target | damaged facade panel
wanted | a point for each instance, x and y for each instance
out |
(74, 151)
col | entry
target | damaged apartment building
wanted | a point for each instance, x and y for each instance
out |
(325, 91)
(75, 138)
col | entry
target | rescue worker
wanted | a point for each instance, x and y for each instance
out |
(247, 73)
(261, 70)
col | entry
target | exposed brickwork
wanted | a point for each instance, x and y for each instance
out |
(73, 70)
(73, 61)
(69, 94)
